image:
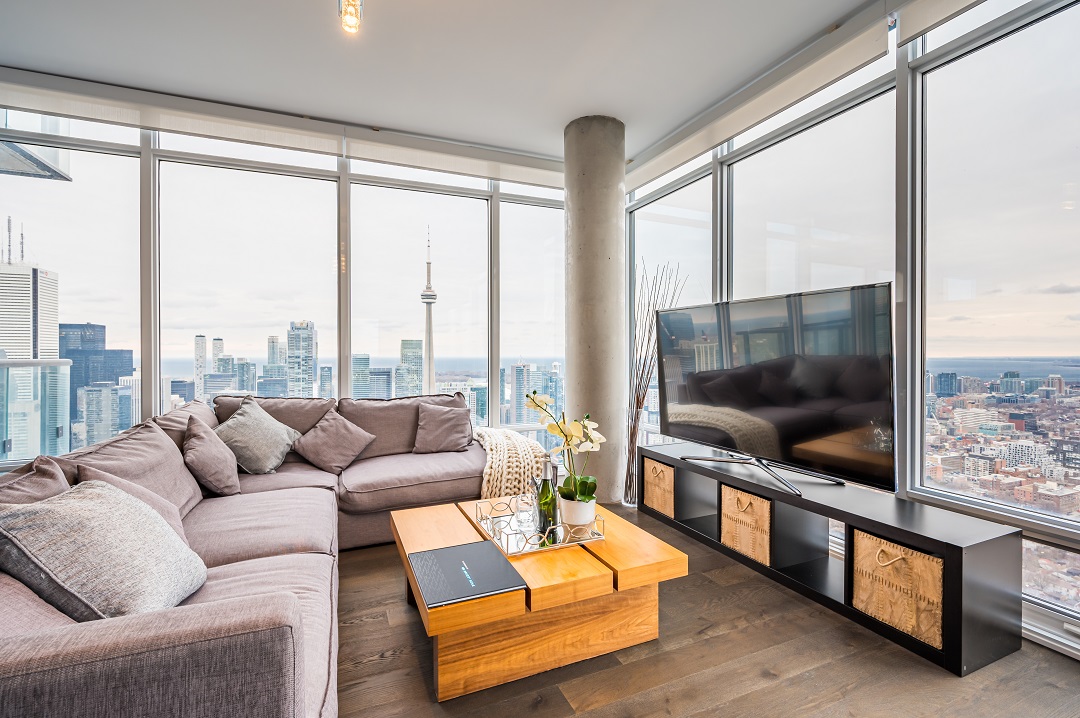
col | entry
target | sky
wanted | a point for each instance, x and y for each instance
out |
(244, 253)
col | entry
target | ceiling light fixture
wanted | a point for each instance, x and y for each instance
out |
(351, 13)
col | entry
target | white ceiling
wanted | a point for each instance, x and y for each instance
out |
(500, 73)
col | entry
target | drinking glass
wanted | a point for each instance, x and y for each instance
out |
(525, 512)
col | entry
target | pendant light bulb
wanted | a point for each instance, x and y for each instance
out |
(351, 12)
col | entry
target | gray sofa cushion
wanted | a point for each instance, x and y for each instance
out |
(97, 552)
(175, 422)
(163, 508)
(404, 480)
(333, 443)
(392, 421)
(442, 428)
(209, 460)
(312, 578)
(296, 413)
(259, 441)
(144, 455)
(45, 478)
(290, 475)
(227, 529)
(22, 611)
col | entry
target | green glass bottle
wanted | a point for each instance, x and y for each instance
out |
(548, 500)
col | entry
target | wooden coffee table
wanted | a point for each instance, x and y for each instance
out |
(581, 601)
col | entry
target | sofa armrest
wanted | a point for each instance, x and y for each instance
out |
(237, 658)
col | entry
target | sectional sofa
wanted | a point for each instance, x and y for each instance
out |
(259, 638)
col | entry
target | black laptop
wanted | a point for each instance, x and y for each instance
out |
(462, 573)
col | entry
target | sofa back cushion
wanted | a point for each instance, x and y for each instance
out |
(296, 413)
(163, 508)
(393, 422)
(45, 478)
(24, 611)
(144, 455)
(175, 422)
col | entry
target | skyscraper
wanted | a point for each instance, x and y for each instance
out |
(360, 376)
(382, 383)
(428, 298)
(216, 350)
(245, 375)
(200, 366)
(29, 312)
(408, 380)
(276, 352)
(91, 362)
(326, 382)
(302, 358)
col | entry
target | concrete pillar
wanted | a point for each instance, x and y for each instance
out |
(596, 320)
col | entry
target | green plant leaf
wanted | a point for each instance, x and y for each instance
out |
(567, 493)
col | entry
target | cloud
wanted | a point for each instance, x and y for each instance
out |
(1073, 317)
(1060, 289)
(959, 318)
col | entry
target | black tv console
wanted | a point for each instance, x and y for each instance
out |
(979, 580)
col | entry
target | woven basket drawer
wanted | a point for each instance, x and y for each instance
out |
(745, 522)
(660, 487)
(898, 586)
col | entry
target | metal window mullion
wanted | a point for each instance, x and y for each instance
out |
(494, 312)
(727, 225)
(64, 142)
(232, 163)
(415, 186)
(344, 279)
(149, 279)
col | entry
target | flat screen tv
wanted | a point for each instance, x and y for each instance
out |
(803, 380)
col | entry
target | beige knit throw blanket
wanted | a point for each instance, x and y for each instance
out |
(751, 434)
(512, 460)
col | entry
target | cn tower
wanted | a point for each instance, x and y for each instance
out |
(428, 298)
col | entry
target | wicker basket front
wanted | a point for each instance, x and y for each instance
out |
(660, 487)
(745, 521)
(898, 586)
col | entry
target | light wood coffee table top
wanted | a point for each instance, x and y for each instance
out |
(614, 580)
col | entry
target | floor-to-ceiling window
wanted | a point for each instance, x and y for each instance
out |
(419, 263)
(532, 313)
(1001, 378)
(69, 290)
(248, 284)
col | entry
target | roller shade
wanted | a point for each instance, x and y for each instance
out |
(919, 17)
(773, 93)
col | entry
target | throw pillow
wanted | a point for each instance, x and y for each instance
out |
(333, 443)
(164, 509)
(209, 460)
(443, 428)
(863, 380)
(722, 391)
(812, 378)
(96, 552)
(258, 441)
(777, 390)
(44, 479)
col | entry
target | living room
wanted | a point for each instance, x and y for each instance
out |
(393, 359)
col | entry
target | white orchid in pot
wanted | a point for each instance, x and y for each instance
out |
(580, 439)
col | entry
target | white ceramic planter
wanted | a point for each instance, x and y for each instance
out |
(576, 513)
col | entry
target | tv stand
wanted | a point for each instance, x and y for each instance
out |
(967, 618)
(766, 466)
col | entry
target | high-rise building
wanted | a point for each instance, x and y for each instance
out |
(225, 364)
(382, 383)
(134, 386)
(326, 382)
(275, 371)
(479, 395)
(524, 379)
(302, 358)
(217, 349)
(1055, 381)
(217, 384)
(946, 384)
(276, 351)
(245, 375)
(100, 413)
(29, 312)
(275, 386)
(91, 362)
(408, 380)
(428, 297)
(200, 366)
(81, 336)
(183, 389)
(360, 376)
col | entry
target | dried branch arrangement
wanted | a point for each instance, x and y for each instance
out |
(660, 290)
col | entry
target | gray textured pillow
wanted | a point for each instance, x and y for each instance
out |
(333, 443)
(209, 460)
(44, 479)
(258, 440)
(443, 428)
(96, 552)
(163, 508)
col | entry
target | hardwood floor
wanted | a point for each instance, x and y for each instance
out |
(732, 643)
